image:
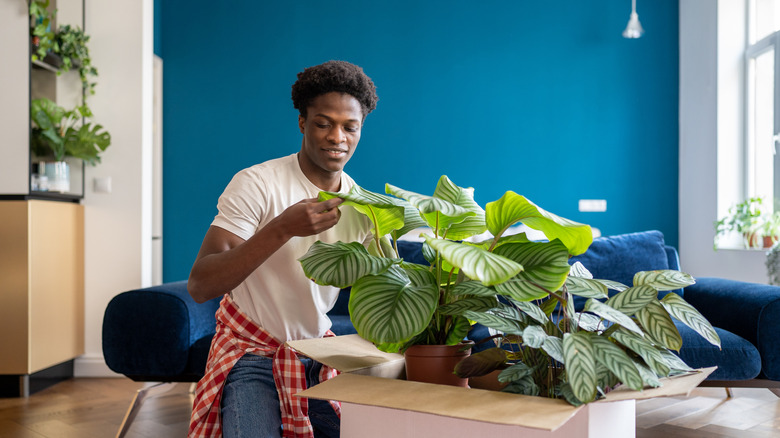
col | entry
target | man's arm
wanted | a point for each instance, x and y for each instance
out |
(225, 260)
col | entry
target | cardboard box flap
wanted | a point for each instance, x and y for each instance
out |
(448, 401)
(351, 354)
(670, 387)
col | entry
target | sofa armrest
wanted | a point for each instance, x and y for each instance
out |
(750, 310)
(149, 332)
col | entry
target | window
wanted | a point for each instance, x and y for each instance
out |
(762, 110)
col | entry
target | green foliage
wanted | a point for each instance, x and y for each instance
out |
(68, 42)
(55, 133)
(549, 348)
(752, 220)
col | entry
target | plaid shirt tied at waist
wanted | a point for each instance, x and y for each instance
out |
(237, 335)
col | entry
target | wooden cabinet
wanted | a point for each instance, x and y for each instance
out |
(42, 291)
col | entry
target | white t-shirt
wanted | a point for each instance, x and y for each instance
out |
(277, 295)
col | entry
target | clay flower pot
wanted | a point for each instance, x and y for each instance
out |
(436, 363)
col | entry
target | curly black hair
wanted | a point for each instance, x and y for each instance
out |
(338, 76)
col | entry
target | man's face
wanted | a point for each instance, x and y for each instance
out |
(331, 132)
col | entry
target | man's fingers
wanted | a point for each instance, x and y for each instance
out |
(331, 204)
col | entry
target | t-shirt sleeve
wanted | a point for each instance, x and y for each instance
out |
(240, 207)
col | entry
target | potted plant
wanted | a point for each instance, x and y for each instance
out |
(56, 133)
(749, 218)
(398, 305)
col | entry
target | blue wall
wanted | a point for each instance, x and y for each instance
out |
(542, 98)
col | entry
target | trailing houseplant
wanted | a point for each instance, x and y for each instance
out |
(521, 287)
(68, 42)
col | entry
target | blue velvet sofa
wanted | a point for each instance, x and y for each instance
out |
(161, 334)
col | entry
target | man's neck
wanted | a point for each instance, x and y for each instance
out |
(329, 182)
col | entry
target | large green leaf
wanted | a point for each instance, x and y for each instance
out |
(663, 280)
(580, 365)
(659, 325)
(438, 213)
(544, 264)
(611, 314)
(643, 348)
(617, 361)
(633, 299)
(384, 212)
(393, 306)
(477, 263)
(680, 309)
(513, 208)
(463, 197)
(342, 264)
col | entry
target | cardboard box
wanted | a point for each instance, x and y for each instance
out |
(377, 403)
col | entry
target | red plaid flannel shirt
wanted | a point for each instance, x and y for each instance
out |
(237, 335)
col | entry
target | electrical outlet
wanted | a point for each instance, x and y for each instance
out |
(593, 205)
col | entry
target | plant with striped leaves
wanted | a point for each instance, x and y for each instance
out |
(521, 288)
(396, 304)
(552, 350)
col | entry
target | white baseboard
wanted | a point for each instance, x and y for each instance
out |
(92, 365)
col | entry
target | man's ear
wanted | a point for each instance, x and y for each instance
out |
(301, 122)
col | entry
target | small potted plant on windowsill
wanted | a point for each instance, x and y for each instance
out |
(750, 219)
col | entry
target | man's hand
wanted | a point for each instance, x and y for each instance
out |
(309, 217)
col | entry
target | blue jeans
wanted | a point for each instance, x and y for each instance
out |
(250, 403)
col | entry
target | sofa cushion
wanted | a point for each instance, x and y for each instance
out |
(737, 359)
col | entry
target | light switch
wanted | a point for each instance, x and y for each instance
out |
(598, 205)
(102, 184)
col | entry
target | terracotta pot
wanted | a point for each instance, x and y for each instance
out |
(436, 363)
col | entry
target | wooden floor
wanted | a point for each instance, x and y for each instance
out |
(95, 407)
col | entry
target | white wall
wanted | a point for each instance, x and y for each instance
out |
(118, 224)
(709, 126)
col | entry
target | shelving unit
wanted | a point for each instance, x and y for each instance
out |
(42, 233)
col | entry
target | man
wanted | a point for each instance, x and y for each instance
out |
(268, 217)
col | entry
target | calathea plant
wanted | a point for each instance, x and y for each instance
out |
(523, 289)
